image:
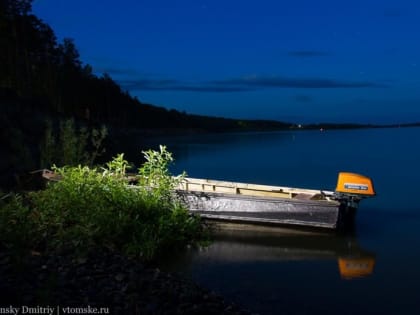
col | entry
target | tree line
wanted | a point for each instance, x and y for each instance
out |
(43, 83)
(50, 74)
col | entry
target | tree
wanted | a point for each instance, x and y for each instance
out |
(69, 54)
(13, 8)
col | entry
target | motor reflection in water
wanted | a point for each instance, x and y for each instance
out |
(237, 243)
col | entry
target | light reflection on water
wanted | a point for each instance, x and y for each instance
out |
(243, 243)
(273, 272)
(289, 273)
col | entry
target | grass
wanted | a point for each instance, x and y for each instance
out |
(95, 207)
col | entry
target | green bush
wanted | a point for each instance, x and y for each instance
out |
(72, 146)
(93, 207)
(18, 223)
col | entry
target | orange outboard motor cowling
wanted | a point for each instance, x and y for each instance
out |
(354, 184)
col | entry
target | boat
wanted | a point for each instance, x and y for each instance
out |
(264, 204)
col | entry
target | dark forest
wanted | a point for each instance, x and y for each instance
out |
(43, 80)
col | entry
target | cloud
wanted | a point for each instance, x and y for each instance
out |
(174, 85)
(211, 88)
(308, 53)
(244, 84)
(116, 71)
(148, 83)
(306, 83)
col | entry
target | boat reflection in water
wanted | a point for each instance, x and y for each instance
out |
(237, 243)
(356, 267)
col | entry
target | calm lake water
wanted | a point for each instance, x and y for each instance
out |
(272, 272)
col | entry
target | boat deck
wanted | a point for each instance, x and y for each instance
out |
(245, 189)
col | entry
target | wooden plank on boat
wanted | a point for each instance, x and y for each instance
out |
(303, 196)
(206, 185)
(263, 193)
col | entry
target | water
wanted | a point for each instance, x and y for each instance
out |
(272, 272)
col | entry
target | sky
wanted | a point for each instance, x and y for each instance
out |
(298, 61)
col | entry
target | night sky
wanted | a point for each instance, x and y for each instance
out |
(299, 61)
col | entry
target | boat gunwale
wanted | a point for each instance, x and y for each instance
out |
(289, 193)
(326, 203)
(259, 187)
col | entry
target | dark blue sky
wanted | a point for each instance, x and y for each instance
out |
(300, 60)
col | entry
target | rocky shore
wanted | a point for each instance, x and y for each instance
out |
(102, 282)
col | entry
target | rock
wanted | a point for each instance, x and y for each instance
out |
(4, 260)
(81, 260)
(119, 277)
(105, 279)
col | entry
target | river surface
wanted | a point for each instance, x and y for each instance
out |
(374, 270)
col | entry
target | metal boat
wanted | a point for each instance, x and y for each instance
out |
(232, 201)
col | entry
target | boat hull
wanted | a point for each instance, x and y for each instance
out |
(254, 209)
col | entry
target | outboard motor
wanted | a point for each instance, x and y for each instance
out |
(352, 188)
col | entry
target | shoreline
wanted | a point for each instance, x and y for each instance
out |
(103, 280)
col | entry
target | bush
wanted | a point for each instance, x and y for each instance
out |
(18, 224)
(93, 207)
(72, 146)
